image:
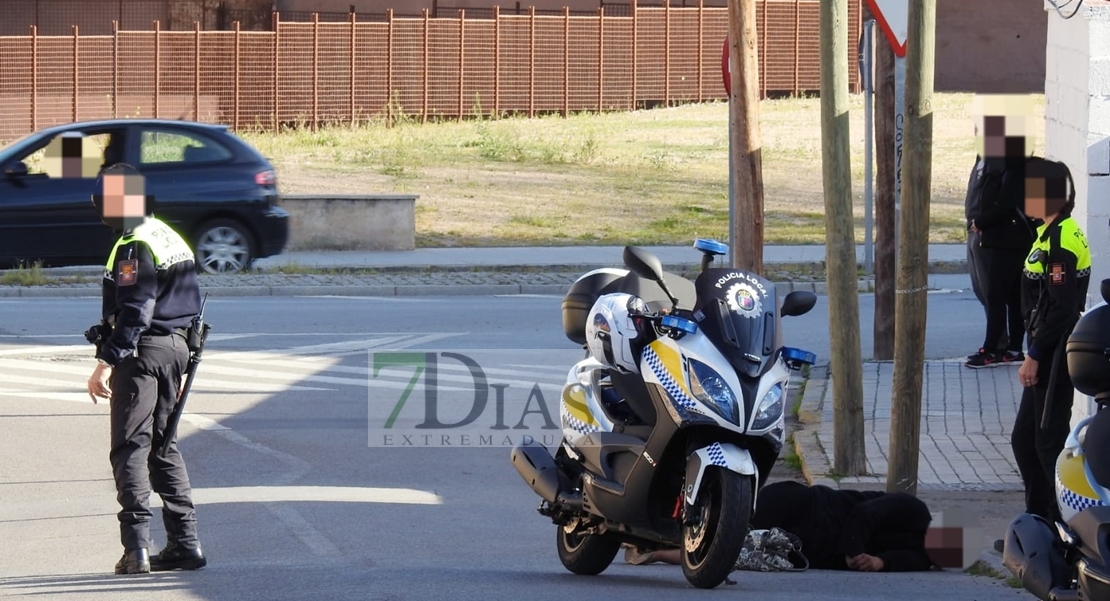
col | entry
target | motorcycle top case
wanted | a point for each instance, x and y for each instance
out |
(738, 311)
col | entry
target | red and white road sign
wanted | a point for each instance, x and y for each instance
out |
(725, 69)
(893, 17)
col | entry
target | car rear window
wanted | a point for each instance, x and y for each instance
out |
(160, 147)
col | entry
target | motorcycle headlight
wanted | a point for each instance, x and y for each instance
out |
(710, 388)
(770, 408)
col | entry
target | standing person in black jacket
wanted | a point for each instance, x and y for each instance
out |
(999, 236)
(150, 296)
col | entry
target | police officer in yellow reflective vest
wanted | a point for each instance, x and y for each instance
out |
(150, 296)
(1054, 293)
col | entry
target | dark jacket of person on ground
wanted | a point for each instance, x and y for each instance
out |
(846, 529)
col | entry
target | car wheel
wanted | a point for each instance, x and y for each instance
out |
(223, 246)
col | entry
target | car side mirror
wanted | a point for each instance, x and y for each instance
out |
(17, 169)
(798, 302)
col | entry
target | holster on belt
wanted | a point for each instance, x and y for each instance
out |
(192, 334)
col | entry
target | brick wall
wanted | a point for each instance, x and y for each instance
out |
(1077, 126)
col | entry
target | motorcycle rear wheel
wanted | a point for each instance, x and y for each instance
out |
(725, 499)
(585, 554)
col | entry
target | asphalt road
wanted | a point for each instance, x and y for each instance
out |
(294, 503)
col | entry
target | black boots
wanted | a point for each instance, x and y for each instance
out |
(175, 557)
(134, 561)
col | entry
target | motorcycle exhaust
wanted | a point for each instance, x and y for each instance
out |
(537, 467)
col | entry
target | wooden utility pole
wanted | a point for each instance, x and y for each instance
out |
(840, 244)
(747, 164)
(885, 249)
(913, 251)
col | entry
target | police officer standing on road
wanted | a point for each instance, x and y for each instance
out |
(150, 297)
(1056, 275)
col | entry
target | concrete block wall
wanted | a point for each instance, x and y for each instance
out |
(1077, 126)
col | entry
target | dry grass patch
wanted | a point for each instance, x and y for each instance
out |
(646, 177)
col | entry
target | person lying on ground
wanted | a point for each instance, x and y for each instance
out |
(866, 531)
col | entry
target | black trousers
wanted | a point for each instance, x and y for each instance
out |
(996, 279)
(144, 392)
(1036, 449)
(1004, 315)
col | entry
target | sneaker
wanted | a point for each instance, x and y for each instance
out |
(1013, 357)
(982, 359)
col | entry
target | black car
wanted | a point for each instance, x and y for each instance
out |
(217, 191)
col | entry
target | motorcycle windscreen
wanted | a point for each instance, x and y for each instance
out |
(737, 311)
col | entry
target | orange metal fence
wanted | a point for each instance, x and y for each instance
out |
(320, 72)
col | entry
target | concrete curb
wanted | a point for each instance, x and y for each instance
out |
(819, 288)
(993, 560)
(815, 467)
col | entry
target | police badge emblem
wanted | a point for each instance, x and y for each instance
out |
(743, 299)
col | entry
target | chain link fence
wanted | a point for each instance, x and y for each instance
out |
(424, 67)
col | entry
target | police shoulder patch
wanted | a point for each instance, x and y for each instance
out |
(1056, 274)
(128, 272)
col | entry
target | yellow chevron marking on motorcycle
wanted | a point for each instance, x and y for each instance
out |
(575, 401)
(1070, 473)
(672, 362)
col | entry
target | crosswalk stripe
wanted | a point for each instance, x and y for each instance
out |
(45, 372)
(81, 374)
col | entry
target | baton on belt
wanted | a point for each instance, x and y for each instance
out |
(198, 334)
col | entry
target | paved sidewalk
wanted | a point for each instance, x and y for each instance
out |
(470, 271)
(966, 419)
(540, 256)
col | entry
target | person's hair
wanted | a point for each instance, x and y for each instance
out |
(1058, 184)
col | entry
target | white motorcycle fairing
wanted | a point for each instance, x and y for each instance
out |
(726, 455)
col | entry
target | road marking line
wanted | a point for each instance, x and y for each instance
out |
(202, 383)
(312, 494)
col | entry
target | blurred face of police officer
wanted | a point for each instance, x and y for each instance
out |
(124, 201)
(1044, 197)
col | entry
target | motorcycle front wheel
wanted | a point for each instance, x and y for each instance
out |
(711, 545)
(585, 554)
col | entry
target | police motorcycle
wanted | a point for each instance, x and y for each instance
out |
(1071, 560)
(675, 417)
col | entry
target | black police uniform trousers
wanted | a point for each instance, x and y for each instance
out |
(1036, 449)
(144, 392)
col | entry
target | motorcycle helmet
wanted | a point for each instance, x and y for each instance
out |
(611, 333)
(1087, 347)
(1074, 491)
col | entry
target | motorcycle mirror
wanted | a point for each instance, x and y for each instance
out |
(643, 263)
(647, 266)
(798, 302)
